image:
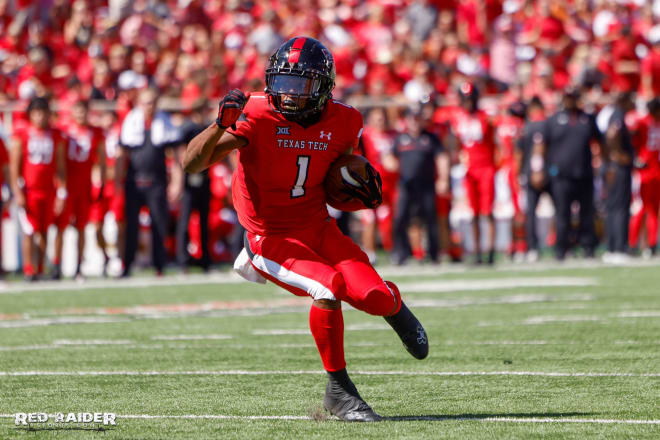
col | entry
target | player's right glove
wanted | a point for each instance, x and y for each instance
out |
(370, 191)
(230, 109)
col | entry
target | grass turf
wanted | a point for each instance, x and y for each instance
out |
(609, 327)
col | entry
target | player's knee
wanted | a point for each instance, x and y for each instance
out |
(327, 304)
(381, 300)
(338, 285)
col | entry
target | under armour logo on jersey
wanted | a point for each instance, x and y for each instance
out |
(325, 135)
(282, 131)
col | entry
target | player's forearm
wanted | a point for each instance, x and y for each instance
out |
(197, 156)
(15, 159)
(61, 165)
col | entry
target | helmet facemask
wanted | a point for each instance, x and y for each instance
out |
(297, 96)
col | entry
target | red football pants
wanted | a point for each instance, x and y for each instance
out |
(650, 194)
(325, 264)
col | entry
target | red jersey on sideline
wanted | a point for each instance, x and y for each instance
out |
(507, 129)
(649, 148)
(81, 155)
(38, 167)
(475, 134)
(278, 184)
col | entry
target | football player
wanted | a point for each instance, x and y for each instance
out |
(647, 163)
(37, 154)
(474, 133)
(85, 149)
(107, 194)
(287, 138)
(508, 128)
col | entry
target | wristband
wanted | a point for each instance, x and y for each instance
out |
(62, 193)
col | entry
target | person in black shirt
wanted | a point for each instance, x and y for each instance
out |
(419, 152)
(196, 194)
(568, 135)
(531, 157)
(146, 135)
(618, 177)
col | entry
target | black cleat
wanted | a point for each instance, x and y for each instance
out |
(411, 332)
(343, 400)
(491, 257)
(56, 274)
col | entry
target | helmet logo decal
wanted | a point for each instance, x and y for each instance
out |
(296, 48)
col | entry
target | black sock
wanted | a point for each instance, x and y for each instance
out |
(341, 378)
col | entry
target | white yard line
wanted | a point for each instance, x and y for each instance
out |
(99, 316)
(447, 418)
(495, 284)
(278, 332)
(38, 322)
(551, 319)
(92, 342)
(147, 281)
(190, 337)
(314, 372)
(231, 278)
(171, 346)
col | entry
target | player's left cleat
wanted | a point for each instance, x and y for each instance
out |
(343, 400)
(411, 332)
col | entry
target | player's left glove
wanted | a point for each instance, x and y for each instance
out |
(370, 191)
(230, 109)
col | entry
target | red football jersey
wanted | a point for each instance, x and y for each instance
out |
(649, 150)
(38, 167)
(278, 184)
(475, 134)
(507, 129)
(81, 155)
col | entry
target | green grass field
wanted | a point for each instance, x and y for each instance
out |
(185, 358)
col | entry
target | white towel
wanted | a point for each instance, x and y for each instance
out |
(162, 130)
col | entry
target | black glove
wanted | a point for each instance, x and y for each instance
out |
(230, 109)
(370, 191)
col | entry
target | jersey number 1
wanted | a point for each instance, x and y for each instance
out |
(298, 189)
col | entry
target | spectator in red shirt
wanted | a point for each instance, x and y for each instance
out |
(650, 69)
(625, 63)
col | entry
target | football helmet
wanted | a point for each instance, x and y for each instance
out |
(300, 78)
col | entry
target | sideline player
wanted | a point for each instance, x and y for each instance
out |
(85, 148)
(287, 138)
(37, 154)
(647, 163)
(108, 195)
(474, 133)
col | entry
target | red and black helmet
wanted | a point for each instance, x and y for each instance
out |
(300, 77)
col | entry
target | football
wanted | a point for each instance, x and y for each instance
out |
(339, 178)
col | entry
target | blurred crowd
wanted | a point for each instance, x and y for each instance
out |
(390, 55)
(189, 48)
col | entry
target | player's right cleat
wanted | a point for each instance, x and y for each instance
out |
(411, 332)
(343, 400)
